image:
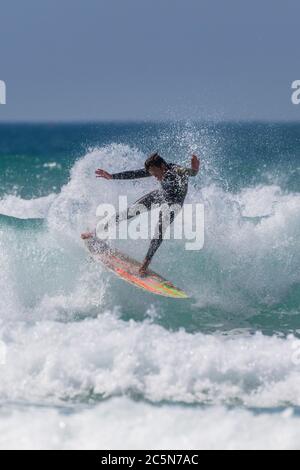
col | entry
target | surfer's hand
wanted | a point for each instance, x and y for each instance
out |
(103, 174)
(195, 163)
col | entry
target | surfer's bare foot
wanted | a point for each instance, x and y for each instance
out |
(87, 235)
(143, 271)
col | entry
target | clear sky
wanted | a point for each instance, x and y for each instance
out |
(149, 59)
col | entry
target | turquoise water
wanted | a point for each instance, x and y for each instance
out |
(75, 334)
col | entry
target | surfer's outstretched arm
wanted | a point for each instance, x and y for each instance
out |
(131, 175)
(124, 175)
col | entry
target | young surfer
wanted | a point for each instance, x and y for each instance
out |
(174, 186)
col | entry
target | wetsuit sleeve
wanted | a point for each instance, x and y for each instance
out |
(131, 175)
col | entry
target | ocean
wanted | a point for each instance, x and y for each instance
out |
(89, 361)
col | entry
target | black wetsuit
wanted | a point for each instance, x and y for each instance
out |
(174, 188)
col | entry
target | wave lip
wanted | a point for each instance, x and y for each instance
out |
(14, 206)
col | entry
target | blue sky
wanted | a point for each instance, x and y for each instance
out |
(149, 59)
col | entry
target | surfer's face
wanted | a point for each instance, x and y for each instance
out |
(157, 172)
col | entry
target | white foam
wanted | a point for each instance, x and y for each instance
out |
(107, 356)
(75, 208)
(15, 206)
(123, 424)
(259, 201)
(258, 259)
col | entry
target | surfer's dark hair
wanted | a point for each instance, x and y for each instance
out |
(154, 160)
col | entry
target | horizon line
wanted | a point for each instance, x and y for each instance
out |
(147, 121)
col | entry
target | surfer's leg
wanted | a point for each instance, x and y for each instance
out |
(144, 204)
(150, 199)
(163, 224)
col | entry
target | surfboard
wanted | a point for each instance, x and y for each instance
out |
(128, 269)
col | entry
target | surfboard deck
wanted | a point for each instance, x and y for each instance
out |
(127, 269)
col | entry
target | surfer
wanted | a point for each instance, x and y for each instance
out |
(174, 186)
